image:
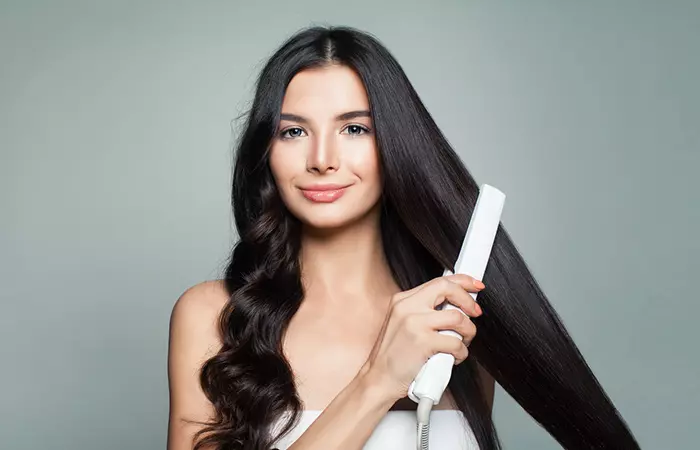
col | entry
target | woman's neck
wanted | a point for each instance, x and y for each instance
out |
(346, 263)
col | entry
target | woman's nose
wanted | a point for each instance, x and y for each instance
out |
(323, 156)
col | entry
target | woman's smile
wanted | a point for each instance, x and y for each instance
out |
(324, 193)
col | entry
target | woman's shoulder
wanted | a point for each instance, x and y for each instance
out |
(196, 311)
(194, 338)
(205, 297)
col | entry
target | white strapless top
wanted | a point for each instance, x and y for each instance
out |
(449, 430)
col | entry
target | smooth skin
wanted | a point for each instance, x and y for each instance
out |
(357, 341)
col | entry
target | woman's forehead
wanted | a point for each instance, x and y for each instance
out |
(325, 92)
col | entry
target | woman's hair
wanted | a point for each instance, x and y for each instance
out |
(427, 201)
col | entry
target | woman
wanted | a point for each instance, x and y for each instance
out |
(349, 203)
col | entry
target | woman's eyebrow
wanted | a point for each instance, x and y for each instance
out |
(344, 116)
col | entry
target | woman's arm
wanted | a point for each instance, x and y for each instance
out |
(193, 340)
(349, 420)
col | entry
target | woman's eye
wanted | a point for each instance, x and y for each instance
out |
(356, 129)
(291, 133)
(295, 132)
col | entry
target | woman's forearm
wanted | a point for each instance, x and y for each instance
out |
(349, 420)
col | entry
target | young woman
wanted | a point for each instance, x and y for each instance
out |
(349, 203)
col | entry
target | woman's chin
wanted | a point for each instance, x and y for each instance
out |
(327, 223)
(335, 219)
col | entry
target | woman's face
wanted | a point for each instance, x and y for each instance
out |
(326, 141)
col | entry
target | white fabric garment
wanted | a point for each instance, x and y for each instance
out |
(449, 430)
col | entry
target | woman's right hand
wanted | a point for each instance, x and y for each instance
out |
(409, 336)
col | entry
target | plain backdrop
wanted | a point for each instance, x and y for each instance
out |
(116, 124)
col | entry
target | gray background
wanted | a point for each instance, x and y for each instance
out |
(115, 132)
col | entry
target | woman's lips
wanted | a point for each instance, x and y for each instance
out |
(325, 196)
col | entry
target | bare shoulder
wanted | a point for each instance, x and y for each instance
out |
(205, 298)
(194, 338)
(194, 321)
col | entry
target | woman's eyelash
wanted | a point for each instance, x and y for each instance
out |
(362, 127)
(283, 134)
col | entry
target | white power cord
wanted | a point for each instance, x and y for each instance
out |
(424, 407)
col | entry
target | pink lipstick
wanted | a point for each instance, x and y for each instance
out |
(323, 193)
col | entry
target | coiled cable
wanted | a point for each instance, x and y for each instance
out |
(425, 405)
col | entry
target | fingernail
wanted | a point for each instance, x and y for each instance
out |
(479, 284)
(478, 309)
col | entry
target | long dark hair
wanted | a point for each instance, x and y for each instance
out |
(427, 202)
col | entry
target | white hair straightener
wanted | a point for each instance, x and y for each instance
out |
(431, 381)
